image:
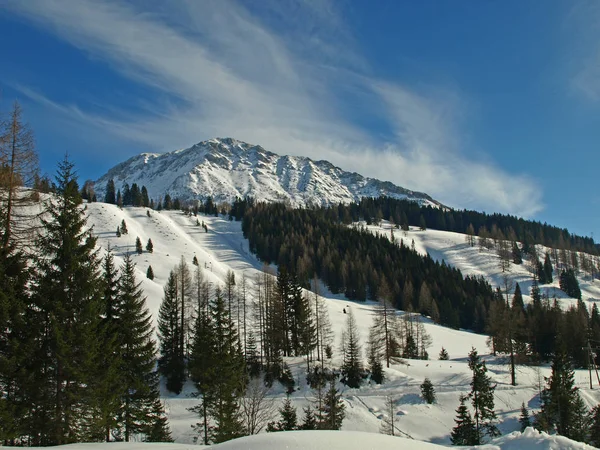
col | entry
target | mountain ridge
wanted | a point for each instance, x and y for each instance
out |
(225, 168)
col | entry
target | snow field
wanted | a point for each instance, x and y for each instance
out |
(223, 248)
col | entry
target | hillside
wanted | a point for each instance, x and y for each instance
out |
(223, 248)
(226, 168)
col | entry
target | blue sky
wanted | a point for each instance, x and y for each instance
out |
(493, 106)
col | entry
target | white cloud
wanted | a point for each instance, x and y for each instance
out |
(274, 79)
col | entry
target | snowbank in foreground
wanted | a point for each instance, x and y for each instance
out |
(354, 440)
(350, 440)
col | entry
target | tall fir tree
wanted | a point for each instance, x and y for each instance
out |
(352, 366)
(524, 420)
(229, 365)
(333, 409)
(560, 409)
(138, 350)
(110, 196)
(171, 363)
(482, 398)
(464, 432)
(66, 314)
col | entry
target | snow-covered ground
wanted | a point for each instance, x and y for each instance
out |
(350, 440)
(453, 248)
(223, 248)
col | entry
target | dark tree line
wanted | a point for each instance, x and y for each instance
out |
(531, 334)
(76, 354)
(314, 243)
(404, 213)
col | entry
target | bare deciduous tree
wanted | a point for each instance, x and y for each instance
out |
(18, 168)
(257, 409)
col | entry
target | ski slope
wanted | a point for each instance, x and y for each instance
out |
(223, 248)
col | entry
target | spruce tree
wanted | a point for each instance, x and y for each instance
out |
(149, 246)
(203, 369)
(548, 269)
(123, 227)
(594, 437)
(118, 231)
(333, 409)
(171, 364)
(157, 429)
(524, 419)
(229, 364)
(110, 381)
(443, 356)
(352, 365)
(110, 196)
(482, 398)
(310, 421)
(288, 418)
(138, 356)
(66, 310)
(150, 273)
(16, 344)
(138, 246)
(560, 399)
(464, 433)
(374, 355)
(428, 391)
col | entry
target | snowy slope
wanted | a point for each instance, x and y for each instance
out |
(349, 440)
(223, 248)
(452, 248)
(225, 169)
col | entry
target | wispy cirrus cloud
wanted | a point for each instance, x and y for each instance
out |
(583, 26)
(283, 77)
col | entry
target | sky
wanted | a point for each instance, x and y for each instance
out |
(493, 106)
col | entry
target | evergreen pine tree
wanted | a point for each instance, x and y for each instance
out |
(229, 364)
(464, 433)
(594, 437)
(310, 421)
(352, 366)
(288, 418)
(561, 407)
(109, 387)
(150, 273)
(443, 355)
(123, 227)
(171, 364)
(333, 409)
(482, 398)
(118, 231)
(517, 254)
(66, 311)
(110, 196)
(374, 355)
(149, 246)
(138, 246)
(428, 391)
(157, 429)
(16, 344)
(524, 419)
(138, 350)
(548, 268)
(203, 370)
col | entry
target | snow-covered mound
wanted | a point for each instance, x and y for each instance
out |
(350, 440)
(226, 168)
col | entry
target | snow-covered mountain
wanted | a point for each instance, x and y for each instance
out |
(226, 168)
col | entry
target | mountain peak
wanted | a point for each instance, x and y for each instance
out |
(226, 168)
